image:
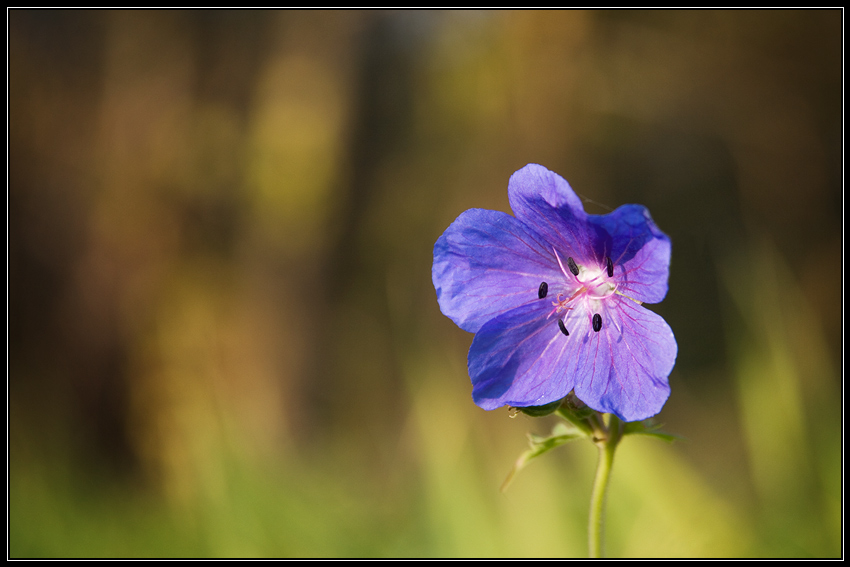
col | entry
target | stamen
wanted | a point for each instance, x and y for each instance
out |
(572, 264)
(597, 322)
(563, 327)
(627, 297)
(543, 291)
(563, 271)
(610, 266)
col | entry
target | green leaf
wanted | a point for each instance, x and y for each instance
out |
(650, 429)
(561, 433)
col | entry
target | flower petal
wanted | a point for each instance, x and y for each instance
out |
(522, 358)
(639, 251)
(624, 368)
(486, 263)
(544, 201)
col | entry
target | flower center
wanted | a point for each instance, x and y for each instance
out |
(597, 286)
(594, 287)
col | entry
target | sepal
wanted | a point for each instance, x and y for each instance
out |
(541, 411)
(577, 413)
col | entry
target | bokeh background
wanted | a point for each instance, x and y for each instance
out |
(223, 335)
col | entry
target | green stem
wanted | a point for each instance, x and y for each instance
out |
(607, 446)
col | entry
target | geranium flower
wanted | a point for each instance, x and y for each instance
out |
(554, 298)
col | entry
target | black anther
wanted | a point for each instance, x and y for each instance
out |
(543, 290)
(563, 327)
(572, 264)
(597, 322)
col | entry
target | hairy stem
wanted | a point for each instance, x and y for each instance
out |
(607, 446)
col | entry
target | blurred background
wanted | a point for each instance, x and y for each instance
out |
(223, 335)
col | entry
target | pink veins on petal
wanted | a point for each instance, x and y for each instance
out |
(504, 277)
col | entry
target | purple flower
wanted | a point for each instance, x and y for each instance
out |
(554, 298)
